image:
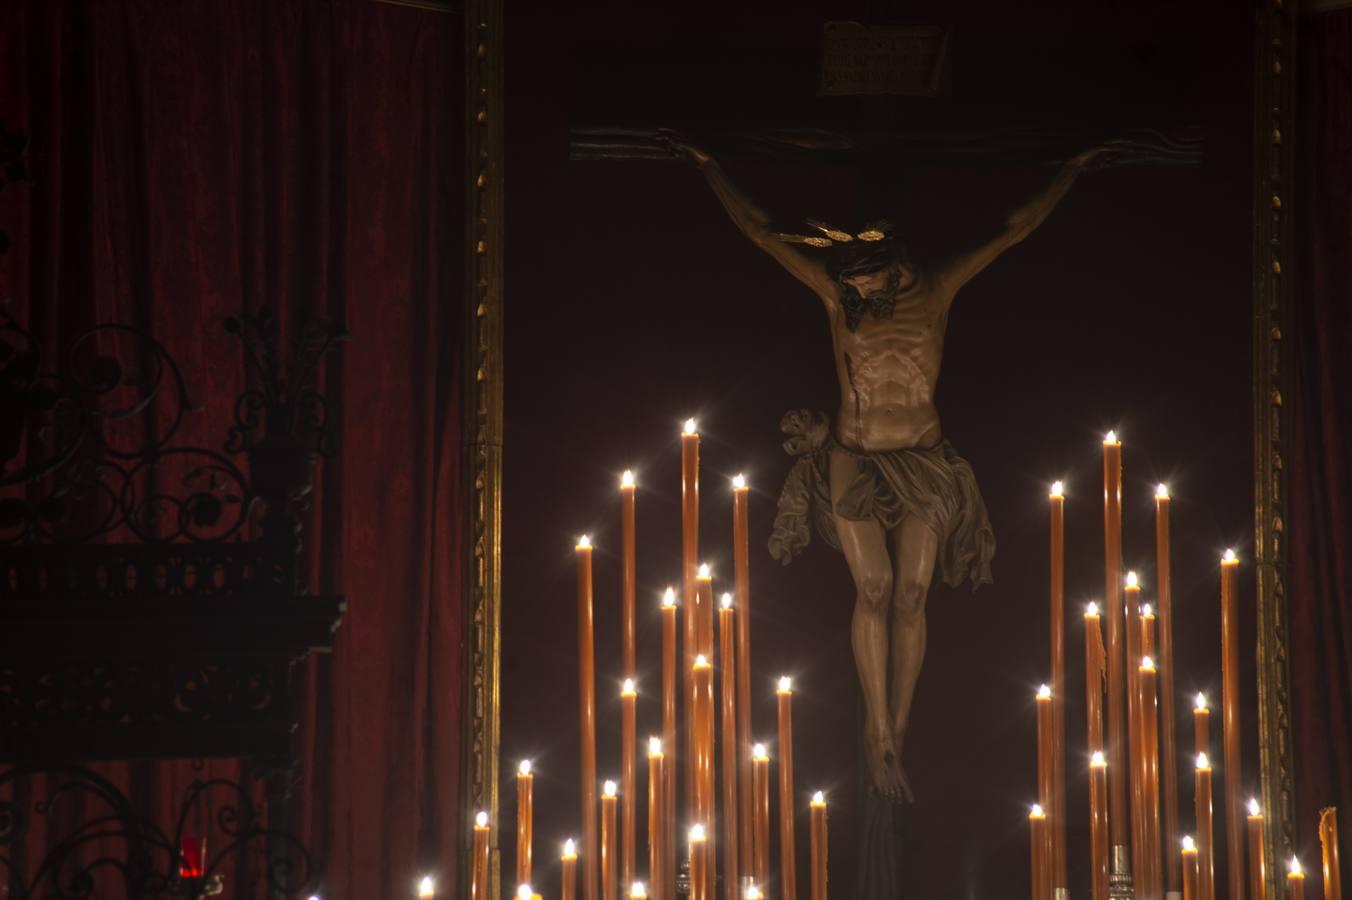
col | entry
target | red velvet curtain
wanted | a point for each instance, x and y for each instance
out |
(195, 158)
(1320, 536)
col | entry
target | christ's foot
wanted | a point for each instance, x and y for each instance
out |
(884, 764)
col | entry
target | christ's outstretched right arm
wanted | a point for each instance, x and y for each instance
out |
(753, 222)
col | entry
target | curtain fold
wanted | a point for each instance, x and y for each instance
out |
(1320, 534)
(193, 159)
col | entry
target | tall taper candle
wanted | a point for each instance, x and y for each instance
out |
(1201, 725)
(1328, 839)
(689, 566)
(1046, 751)
(586, 683)
(732, 868)
(1173, 845)
(657, 844)
(478, 877)
(1230, 700)
(1132, 638)
(525, 813)
(609, 885)
(568, 871)
(1098, 826)
(1206, 862)
(788, 880)
(760, 814)
(819, 846)
(628, 796)
(1295, 881)
(1257, 867)
(1149, 883)
(1118, 818)
(1094, 662)
(1191, 890)
(704, 608)
(741, 570)
(1057, 582)
(1037, 842)
(702, 702)
(699, 863)
(669, 735)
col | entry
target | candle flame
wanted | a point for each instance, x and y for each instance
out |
(638, 891)
(704, 573)
(1058, 490)
(584, 542)
(1110, 438)
(758, 753)
(739, 482)
(608, 789)
(1203, 764)
(1199, 705)
(819, 798)
(785, 684)
(524, 892)
(696, 833)
(689, 427)
(654, 746)
(1230, 557)
(427, 887)
(1295, 868)
(1091, 609)
(726, 600)
(1161, 491)
(1147, 610)
(701, 661)
(1035, 811)
(1147, 664)
(1044, 692)
(1132, 580)
(523, 768)
(669, 597)
(570, 849)
(1254, 808)
(481, 819)
(1189, 845)
(627, 479)
(627, 689)
(752, 892)
(1098, 760)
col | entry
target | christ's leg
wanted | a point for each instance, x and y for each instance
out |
(914, 547)
(865, 546)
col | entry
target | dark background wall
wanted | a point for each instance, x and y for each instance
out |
(634, 303)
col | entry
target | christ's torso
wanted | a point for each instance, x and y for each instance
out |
(888, 370)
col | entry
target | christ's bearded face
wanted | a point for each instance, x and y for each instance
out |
(875, 283)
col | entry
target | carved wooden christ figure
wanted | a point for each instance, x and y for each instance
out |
(881, 483)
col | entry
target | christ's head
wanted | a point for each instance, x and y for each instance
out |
(884, 270)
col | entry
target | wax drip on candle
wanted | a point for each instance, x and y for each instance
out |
(481, 819)
(1254, 808)
(1044, 692)
(1132, 580)
(608, 789)
(689, 427)
(523, 768)
(1098, 760)
(819, 798)
(704, 573)
(726, 601)
(1189, 845)
(569, 849)
(627, 479)
(1295, 868)
(739, 482)
(1161, 491)
(427, 887)
(1199, 704)
(1091, 609)
(1058, 490)
(1229, 557)
(627, 689)
(1203, 764)
(669, 597)
(785, 684)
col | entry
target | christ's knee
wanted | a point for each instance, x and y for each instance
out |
(874, 592)
(909, 601)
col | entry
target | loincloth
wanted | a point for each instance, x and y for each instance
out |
(935, 485)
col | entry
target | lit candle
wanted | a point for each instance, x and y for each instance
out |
(760, 813)
(1150, 768)
(525, 784)
(1046, 749)
(1112, 600)
(525, 892)
(628, 796)
(1295, 880)
(703, 707)
(192, 856)
(1093, 678)
(1057, 598)
(1230, 700)
(689, 560)
(668, 738)
(638, 891)
(478, 887)
(427, 887)
(1191, 890)
(788, 882)
(727, 649)
(608, 883)
(1135, 728)
(657, 843)
(741, 570)
(568, 887)
(699, 863)
(1257, 868)
(1098, 826)
(1201, 724)
(1037, 840)
(1206, 864)
(819, 846)
(1168, 742)
(1328, 839)
(586, 681)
